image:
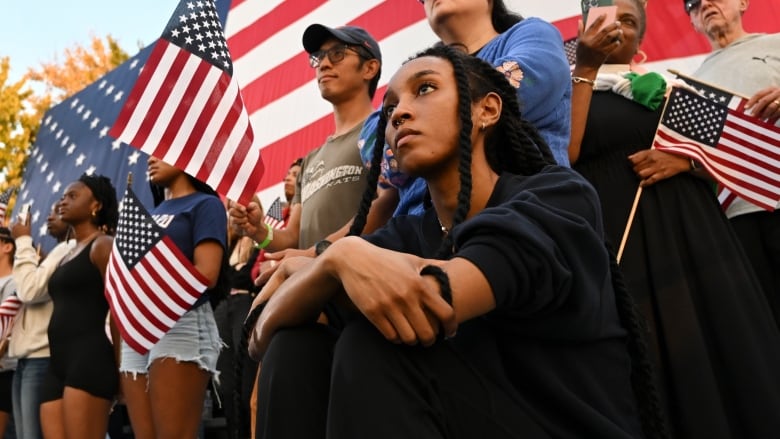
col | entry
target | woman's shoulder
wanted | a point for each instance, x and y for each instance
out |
(532, 25)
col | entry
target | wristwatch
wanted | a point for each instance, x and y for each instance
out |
(320, 246)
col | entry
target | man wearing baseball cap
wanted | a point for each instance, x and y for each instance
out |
(347, 61)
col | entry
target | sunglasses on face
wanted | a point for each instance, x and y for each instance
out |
(335, 55)
(692, 6)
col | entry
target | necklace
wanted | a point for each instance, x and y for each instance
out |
(75, 246)
(444, 230)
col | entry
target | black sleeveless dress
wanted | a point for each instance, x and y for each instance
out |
(82, 356)
(712, 334)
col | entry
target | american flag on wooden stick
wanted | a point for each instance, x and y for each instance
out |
(186, 109)
(9, 308)
(740, 151)
(150, 283)
(725, 195)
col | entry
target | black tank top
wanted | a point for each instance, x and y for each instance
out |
(80, 307)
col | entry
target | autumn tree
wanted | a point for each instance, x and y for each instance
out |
(18, 124)
(22, 105)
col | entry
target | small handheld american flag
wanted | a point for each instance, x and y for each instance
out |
(9, 308)
(740, 151)
(274, 216)
(5, 197)
(150, 284)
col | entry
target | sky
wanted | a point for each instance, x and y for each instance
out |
(34, 31)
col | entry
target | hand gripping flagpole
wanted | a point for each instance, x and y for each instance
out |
(638, 195)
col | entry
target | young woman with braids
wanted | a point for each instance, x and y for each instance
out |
(713, 339)
(491, 315)
(82, 380)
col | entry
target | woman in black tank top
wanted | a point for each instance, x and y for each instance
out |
(82, 380)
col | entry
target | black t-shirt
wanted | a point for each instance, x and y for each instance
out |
(555, 328)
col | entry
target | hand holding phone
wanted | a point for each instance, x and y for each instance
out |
(24, 214)
(593, 9)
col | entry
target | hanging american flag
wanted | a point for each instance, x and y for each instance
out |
(274, 216)
(5, 198)
(9, 308)
(149, 281)
(740, 151)
(186, 107)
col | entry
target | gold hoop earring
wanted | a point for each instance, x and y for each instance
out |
(94, 214)
(483, 126)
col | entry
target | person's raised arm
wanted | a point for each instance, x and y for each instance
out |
(32, 277)
(592, 49)
(249, 220)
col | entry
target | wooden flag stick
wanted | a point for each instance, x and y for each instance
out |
(129, 179)
(628, 224)
(708, 84)
(638, 195)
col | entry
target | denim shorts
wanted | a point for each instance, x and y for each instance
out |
(194, 338)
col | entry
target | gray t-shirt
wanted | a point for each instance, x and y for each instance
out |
(329, 187)
(745, 66)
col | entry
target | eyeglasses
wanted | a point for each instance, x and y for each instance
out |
(692, 6)
(335, 55)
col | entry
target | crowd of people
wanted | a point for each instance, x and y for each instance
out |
(442, 266)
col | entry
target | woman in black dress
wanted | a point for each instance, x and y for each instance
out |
(716, 345)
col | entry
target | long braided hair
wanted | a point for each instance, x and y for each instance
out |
(515, 146)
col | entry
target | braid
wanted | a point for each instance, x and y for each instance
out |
(464, 146)
(359, 223)
(514, 144)
(642, 373)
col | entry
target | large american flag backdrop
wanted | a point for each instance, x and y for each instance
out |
(288, 116)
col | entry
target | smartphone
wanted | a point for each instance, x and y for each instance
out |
(593, 9)
(24, 213)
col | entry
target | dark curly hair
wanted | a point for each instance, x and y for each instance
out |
(104, 192)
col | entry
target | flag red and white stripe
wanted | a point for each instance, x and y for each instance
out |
(5, 197)
(279, 88)
(186, 109)
(274, 216)
(150, 284)
(740, 151)
(9, 308)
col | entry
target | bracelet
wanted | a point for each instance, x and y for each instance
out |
(580, 79)
(268, 237)
(694, 166)
(443, 280)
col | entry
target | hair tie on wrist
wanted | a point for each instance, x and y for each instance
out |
(443, 280)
